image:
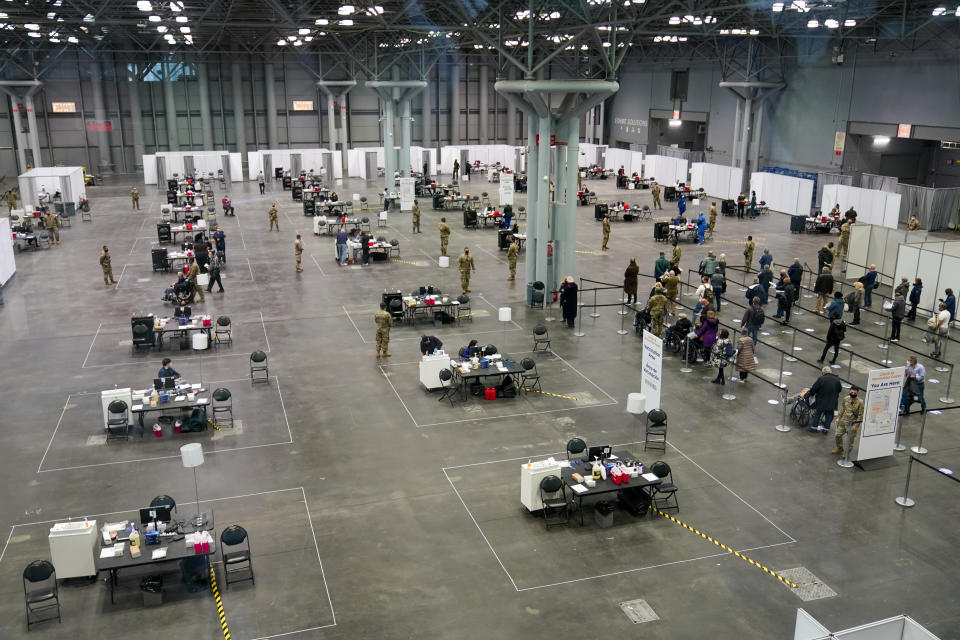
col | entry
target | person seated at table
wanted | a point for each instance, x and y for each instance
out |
(471, 350)
(333, 196)
(167, 371)
(679, 221)
(429, 344)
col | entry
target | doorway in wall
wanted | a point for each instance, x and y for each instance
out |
(327, 159)
(296, 164)
(371, 165)
(268, 166)
(188, 167)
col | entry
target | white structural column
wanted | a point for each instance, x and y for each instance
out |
(484, 104)
(100, 116)
(512, 116)
(239, 116)
(454, 104)
(206, 120)
(426, 118)
(396, 96)
(336, 92)
(136, 113)
(754, 93)
(170, 109)
(21, 104)
(270, 89)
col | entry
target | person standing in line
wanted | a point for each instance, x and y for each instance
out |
(835, 335)
(835, 308)
(220, 241)
(950, 301)
(135, 198)
(655, 192)
(753, 318)
(869, 280)
(746, 362)
(416, 216)
(444, 235)
(466, 264)
(766, 259)
(764, 278)
(260, 182)
(897, 313)
(720, 355)
(383, 321)
(298, 252)
(606, 232)
(850, 416)
(748, 248)
(52, 225)
(456, 171)
(342, 247)
(660, 267)
(903, 288)
(513, 252)
(826, 393)
(630, 276)
(795, 271)
(753, 204)
(213, 268)
(824, 257)
(274, 220)
(107, 266)
(192, 278)
(941, 330)
(785, 300)
(823, 287)
(716, 284)
(568, 300)
(916, 377)
(657, 307)
(671, 286)
(915, 294)
(854, 300)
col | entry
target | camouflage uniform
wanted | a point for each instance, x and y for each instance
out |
(675, 260)
(444, 237)
(851, 411)
(274, 221)
(671, 285)
(606, 233)
(657, 306)
(384, 322)
(11, 201)
(713, 218)
(135, 198)
(914, 224)
(52, 225)
(416, 218)
(465, 263)
(748, 250)
(512, 252)
(655, 192)
(844, 238)
(298, 253)
(192, 277)
(107, 266)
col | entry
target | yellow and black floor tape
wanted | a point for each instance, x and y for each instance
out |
(415, 264)
(221, 614)
(726, 548)
(547, 393)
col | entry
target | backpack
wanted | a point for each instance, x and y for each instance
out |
(728, 351)
(840, 328)
(507, 388)
(850, 299)
(757, 317)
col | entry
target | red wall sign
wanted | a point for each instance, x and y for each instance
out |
(98, 125)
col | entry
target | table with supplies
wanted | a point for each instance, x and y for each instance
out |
(127, 544)
(183, 327)
(184, 395)
(322, 225)
(434, 307)
(381, 247)
(679, 229)
(624, 462)
(188, 230)
(489, 216)
(195, 198)
(478, 368)
(823, 223)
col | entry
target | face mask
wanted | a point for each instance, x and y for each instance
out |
(853, 395)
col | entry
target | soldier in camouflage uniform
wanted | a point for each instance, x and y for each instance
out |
(52, 224)
(384, 322)
(844, 239)
(655, 192)
(465, 263)
(512, 252)
(107, 266)
(444, 235)
(416, 217)
(671, 286)
(748, 250)
(606, 232)
(274, 221)
(657, 306)
(713, 217)
(677, 252)
(298, 252)
(851, 414)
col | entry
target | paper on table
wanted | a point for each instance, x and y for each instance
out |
(652, 477)
(579, 488)
(195, 385)
(137, 407)
(203, 401)
(159, 553)
(107, 552)
(612, 457)
(180, 398)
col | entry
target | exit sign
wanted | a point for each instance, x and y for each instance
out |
(903, 130)
(63, 107)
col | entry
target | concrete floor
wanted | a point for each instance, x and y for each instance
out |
(377, 512)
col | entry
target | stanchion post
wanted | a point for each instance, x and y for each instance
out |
(783, 426)
(919, 448)
(886, 346)
(897, 446)
(947, 399)
(905, 500)
(623, 314)
(780, 379)
(850, 363)
(943, 356)
(595, 314)
(579, 332)
(793, 343)
(686, 355)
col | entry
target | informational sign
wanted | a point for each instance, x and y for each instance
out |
(651, 367)
(506, 188)
(63, 107)
(903, 130)
(839, 141)
(303, 105)
(407, 194)
(99, 125)
(878, 433)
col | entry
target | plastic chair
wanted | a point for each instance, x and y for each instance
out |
(666, 488)
(657, 427)
(236, 554)
(164, 501)
(382, 219)
(449, 391)
(464, 309)
(541, 338)
(40, 592)
(258, 365)
(224, 405)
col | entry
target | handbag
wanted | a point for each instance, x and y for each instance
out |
(203, 279)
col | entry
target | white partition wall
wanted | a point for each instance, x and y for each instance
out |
(67, 180)
(719, 181)
(665, 170)
(783, 193)
(631, 161)
(872, 206)
(936, 263)
(310, 159)
(8, 264)
(874, 244)
(203, 162)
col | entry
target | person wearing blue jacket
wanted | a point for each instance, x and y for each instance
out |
(869, 280)
(682, 204)
(951, 303)
(766, 259)
(835, 308)
(915, 298)
(701, 228)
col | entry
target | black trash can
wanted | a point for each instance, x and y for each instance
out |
(798, 224)
(503, 239)
(152, 589)
(600, 211)
(603, 513)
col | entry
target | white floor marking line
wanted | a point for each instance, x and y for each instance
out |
(54, 434)
(585, 377)
(122, 271)
(323, 573)
(284, 408)
(714, 478)
(353, 323)
(516, 415)
(250, 266)
(482, 534)
(7, 542)
(91, 345)
(318, 264)
(265, 337)
(404, 404)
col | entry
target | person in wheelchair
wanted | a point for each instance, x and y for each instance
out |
(641, 320)
(676, 334)
(179, 292)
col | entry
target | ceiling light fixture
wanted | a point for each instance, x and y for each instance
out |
(674, 20)
(183, 19)
(849, 23)
(308, 39)
(184, 29)
(813, 24)
(830, 23)
(881, 141)
(161, 28)
(154, 18)
(188, 39)
(281, 42)
(144, 5)
(322, 22)
(31, 26)
(72, 40)
(777, 7)
(346, 9)
(346, 23)
(939, 11)
(675, 123)
(302, 31)
(34, 34)
(176, 6)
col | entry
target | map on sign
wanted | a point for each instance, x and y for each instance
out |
(881, 412)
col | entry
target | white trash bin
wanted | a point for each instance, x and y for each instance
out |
(444, 262)
(201, 341)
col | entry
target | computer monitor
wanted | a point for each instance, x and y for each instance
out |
(169, 383)
(598, 453)
(182, 312)
(158, 383)
(151, 514)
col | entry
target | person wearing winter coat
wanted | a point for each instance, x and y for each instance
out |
(745, 355)
(835, 334)
(823, 288)
(753, 318)
(720, 355)
(835, 308)
(707, 333)
(915, 294)
(630, 281)
(897, 313)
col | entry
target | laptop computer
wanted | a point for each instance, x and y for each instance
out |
(599, 453)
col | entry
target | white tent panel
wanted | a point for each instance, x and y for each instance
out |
(149, 169)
